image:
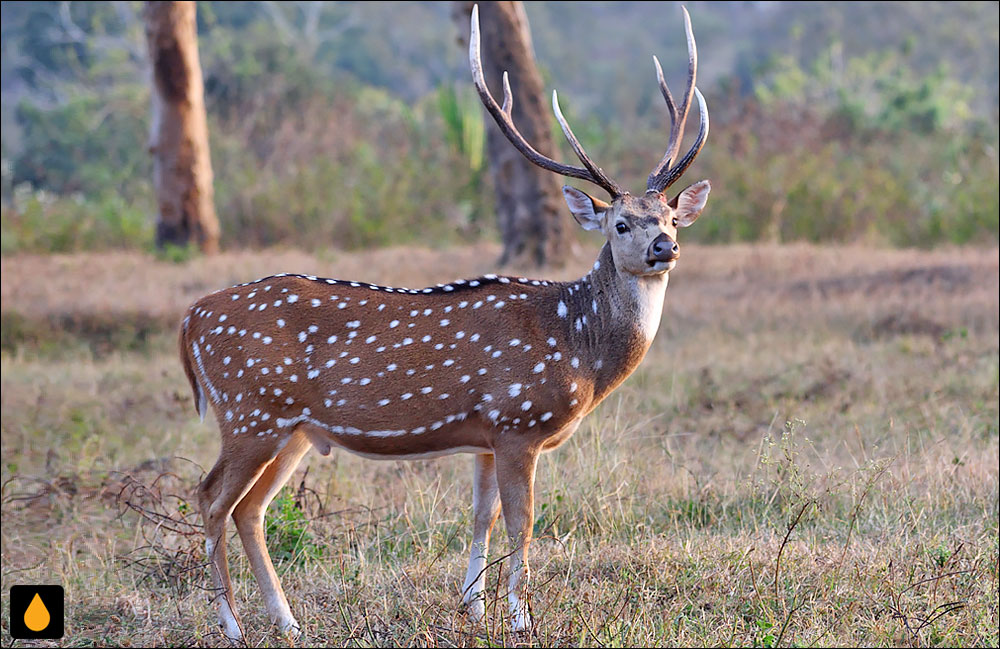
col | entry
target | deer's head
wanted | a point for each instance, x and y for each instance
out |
(641, 230)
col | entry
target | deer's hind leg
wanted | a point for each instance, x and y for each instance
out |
(249, 517)
(240, 464)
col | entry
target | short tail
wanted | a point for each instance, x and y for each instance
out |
(200, 400)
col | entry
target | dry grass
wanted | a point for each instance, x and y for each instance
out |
(684, 511)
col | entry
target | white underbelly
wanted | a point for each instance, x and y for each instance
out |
(427, 455)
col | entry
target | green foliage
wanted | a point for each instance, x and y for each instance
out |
(374, 175)
(88, 145)
(787, 173)
(765, 636)
(879, 92)
(548, 515)
(287, 530)
(177, 254)
(38, 221)
(940, 555)
(464, 128)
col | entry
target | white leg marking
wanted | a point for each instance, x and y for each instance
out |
(520, 619)
(228, 621)
(226, 618)
(280, 612)
(475, 582)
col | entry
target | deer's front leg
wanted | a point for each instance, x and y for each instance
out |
(515, 471)
(485, 511)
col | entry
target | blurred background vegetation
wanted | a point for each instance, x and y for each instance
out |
(351, 125)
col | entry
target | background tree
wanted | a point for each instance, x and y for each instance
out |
(528, 202)
(182, 167)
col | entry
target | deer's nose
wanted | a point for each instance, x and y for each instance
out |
(663, 248)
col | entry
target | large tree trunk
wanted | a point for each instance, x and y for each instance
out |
(528, 201)
(182, 167)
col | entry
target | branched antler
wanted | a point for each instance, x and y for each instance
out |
(664, 174)
(502, 114)
(660, 178)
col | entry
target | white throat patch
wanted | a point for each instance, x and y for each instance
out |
(649, 294)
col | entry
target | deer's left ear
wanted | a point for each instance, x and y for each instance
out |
(587, 210)
(690, 202)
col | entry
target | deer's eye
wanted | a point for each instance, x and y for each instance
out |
(675, 221)
(621, 228)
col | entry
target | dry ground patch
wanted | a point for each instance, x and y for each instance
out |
(808, 456)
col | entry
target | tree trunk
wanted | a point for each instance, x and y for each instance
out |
(182, 167)
(528, 200)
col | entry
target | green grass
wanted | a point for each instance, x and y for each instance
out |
(785, 469)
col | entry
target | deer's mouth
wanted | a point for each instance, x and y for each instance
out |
(656, 266)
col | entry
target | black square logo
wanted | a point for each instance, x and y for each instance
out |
(36, 612)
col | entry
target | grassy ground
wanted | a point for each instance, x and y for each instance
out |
(808, 456)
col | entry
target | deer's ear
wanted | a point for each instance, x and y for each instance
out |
(587, 210)
(690, 202)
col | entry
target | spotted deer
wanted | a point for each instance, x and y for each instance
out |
(503, 368)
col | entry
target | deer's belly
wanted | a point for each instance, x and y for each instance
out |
(455, 436)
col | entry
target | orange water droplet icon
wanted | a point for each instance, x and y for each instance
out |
(37, 617)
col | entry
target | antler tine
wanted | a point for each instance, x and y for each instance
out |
(669, 98)
(675, 172)
(502, 116)
(600, 177)
(678, 117)
(672, 109)
(508, 96)
(692, 73)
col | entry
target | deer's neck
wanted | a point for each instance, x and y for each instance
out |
(611, 318)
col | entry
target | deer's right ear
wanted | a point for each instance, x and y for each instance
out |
(587, 210)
